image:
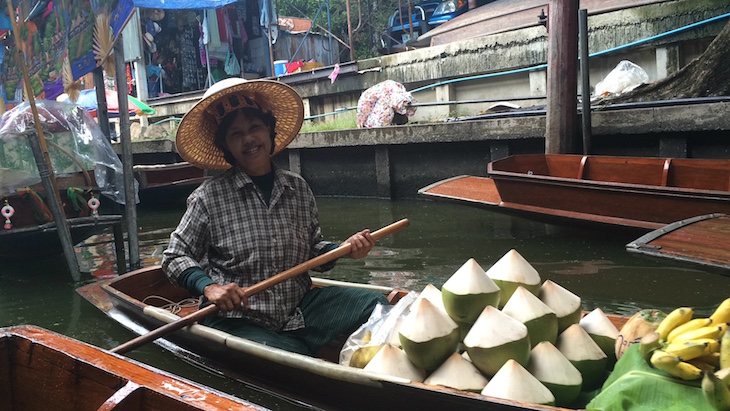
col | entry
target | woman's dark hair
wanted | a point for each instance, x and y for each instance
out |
(220, 135)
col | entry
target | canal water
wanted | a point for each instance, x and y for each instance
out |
(441, 237)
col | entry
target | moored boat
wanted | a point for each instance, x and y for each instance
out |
(701, 240)
(44, 370)
(133, 300)
(84, 165)
(629, 192)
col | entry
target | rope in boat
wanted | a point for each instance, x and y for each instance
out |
(172, 306)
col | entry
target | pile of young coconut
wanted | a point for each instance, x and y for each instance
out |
(500, 333)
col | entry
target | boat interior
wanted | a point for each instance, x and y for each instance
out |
(35, 376)
(697, 174)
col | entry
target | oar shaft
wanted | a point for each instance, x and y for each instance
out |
(302, 268)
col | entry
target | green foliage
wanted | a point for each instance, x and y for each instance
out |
(340, 122)
(366, 39)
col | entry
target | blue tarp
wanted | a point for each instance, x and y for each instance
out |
(182, 4)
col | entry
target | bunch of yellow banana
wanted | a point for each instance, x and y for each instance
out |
(686, 347)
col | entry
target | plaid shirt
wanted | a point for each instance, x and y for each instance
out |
(230, 232)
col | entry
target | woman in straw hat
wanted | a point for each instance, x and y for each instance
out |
(255, 220)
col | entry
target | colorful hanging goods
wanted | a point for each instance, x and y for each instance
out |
(76, 196)
(7, 212)
(40, 210)
(94, 205)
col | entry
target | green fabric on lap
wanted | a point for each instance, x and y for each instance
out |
(328, 313)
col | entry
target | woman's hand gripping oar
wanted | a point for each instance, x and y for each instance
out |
(338, 252)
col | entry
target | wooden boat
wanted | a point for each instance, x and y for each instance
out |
(167, 185)
(631, 192)
(168, 175)
(43, 370)
(699, 240)
(75, 147)
(320, 381)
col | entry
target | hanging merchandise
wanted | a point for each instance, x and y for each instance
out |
(94, 205)
(7, 212)
(233, 67)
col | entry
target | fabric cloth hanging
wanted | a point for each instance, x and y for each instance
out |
(215, 37)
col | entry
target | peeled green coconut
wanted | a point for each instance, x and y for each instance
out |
(428, 335)
(391, 360)
(432, 294)
(468, 291)
(514, 382)
(495, 338)
(603, 332)
(457, 372)
(540, 320)
(580, 349)
(556, 372)
(512, 271)
(564, 304)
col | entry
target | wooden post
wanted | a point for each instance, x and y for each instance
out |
(102, 115)
(562, 73)
(43, 161)
(125, 137)
(585, 80)
(349, 30)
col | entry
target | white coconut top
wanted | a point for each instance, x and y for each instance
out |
(470, 278)
(514, 382)
(494, 328)
(548, 364)
(393, 361)
(433, 294)
(457, 372)
(393, 337)
(523, 306)
(426, 322)
(577, 345)
(597, 323)
(513, 267)
(560, 300)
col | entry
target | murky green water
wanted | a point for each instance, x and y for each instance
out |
(441, 237)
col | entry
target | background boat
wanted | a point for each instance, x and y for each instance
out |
(79, 155)
(630, 192)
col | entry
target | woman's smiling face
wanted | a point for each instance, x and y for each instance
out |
(249, 141)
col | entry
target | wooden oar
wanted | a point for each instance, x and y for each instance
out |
(338, 252)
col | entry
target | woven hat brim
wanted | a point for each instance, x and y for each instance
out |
(196, 132)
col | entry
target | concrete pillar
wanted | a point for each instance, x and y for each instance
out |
(295, 161)
(382, 171)
(673, 147)
(667, 61)
(445, 92)
(538, 83)
(498, 149)
(307, 109)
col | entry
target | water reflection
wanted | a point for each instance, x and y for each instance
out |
(440, 238)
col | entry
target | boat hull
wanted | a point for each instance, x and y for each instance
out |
(44, 370)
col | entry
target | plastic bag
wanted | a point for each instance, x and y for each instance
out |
(233, 68)
(625, 77)
(378, 329)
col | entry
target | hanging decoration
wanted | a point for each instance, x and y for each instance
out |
(103, 43)
(7, 212)
(66, 41)
(94, 205)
